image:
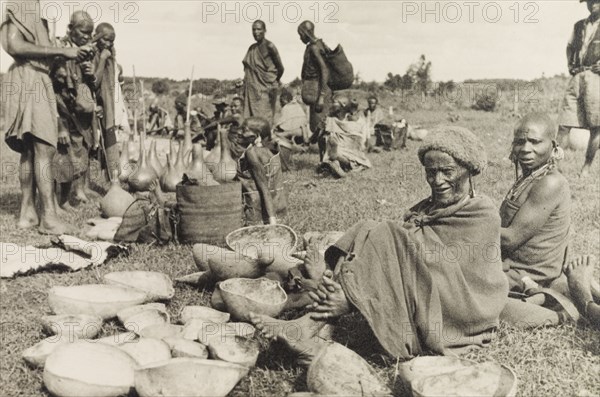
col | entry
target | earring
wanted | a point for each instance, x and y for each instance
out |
(471, 187)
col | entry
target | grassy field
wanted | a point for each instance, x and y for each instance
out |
(559, 361)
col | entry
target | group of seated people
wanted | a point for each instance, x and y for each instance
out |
(440, 279)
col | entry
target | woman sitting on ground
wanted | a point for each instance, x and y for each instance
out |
(431, 283)
(536, 218)
(259, 170)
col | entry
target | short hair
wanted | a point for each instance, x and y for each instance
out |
(238, 98)
(260, 126)
(104, 26)
(373, 97)
(541, 119)
(261, 22)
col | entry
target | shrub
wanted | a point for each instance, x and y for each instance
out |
(486, 102)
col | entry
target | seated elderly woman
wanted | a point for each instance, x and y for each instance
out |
(343, 144)
(259, 170)
(536, 218)
(430, 283)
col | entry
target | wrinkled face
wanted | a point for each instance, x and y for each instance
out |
(448, 180)
(258, 31)
(531, 146)
(372, 104)
(236, 106)
(594, 7)
(107, 40)
(81, 34)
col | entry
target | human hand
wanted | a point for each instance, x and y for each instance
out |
(84, 52)
(319, 105)
(596, 68)
(71, 53)
(331, 302)
(99, 112)
(63, 137)
(105, 54)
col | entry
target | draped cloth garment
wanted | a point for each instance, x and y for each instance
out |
(431, 284)
(29, 95)
(260, 86)
(543, 255)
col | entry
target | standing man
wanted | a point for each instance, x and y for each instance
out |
(581, 104)
(262, 71)
(315, 89)
(71, 81)
(32, 122)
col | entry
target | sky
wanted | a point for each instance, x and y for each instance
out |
(462, 39)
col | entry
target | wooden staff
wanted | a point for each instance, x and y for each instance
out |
(134, 104)
(189, 102)
(143, 108)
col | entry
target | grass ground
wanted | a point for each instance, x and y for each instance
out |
(557, 361)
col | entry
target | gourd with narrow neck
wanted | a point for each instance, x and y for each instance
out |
(198, 169)
(144, 177)
(226, 169)
(126, 168)
(116, 200)
(153, 159)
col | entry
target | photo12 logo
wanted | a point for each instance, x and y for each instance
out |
(269, 11)
(469, 11)
(54, 11)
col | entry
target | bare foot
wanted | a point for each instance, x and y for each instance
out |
(51, 225)
(28, 218)
(579, 275)
(66, 209)
(314, 263)
(80, 196)
(303, 336)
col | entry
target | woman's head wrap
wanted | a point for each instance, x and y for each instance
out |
(458, 142)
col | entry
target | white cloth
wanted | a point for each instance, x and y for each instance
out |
(588, 34)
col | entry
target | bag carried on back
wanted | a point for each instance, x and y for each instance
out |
(341, 72)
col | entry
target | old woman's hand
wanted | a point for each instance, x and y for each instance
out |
(331, 302)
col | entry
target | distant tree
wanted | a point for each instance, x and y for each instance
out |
(486, 102)
(160, 87)
(393, 81)
(420, 72)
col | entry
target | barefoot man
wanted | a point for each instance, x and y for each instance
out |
(31, 113)
(262, 71)
(75, 105)
(389, 272)
(581, 105)
(315, 77)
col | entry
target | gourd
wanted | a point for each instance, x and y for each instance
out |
(226, 169)
(170, 178)
(153, 159)
(198, 170)
(116, 201)
(125, 167)
(145, 176)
